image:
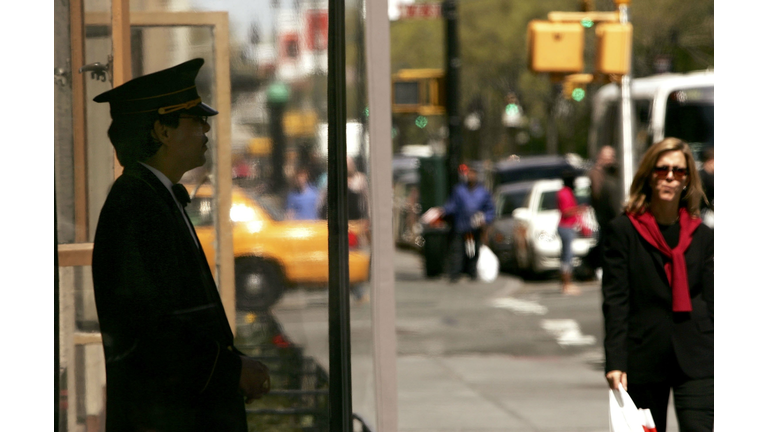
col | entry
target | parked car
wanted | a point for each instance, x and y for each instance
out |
(537, 244)
(272, 254)
(507, 198)
(530, 168)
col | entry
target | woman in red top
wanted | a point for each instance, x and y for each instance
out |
(569, 215)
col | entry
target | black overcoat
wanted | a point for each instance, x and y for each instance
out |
(643, 336)
(170, 360)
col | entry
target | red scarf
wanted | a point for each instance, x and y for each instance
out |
(676, 269)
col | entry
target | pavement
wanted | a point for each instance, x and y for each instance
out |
(445, 385)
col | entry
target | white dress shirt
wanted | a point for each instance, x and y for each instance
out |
(168, 185)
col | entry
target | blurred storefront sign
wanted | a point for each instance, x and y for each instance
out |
(421, 10)
(300, 123)
(317, 30)
(260, 146)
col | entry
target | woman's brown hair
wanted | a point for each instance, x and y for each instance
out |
(640, 192)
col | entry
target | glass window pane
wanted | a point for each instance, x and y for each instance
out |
(277, 76)
(278, 80)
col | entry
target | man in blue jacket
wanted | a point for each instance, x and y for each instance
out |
(472, 210)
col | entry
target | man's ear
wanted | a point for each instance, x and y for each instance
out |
(160, 132)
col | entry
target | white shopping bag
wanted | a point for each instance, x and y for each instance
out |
(487, 264)
(623, 415)
(648, 425)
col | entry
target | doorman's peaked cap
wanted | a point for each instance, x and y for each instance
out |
(164, 92)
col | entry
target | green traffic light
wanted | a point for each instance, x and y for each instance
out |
(512, 109)
(578, 94)
(587, 23)
(421, 122)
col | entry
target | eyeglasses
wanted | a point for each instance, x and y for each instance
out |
(196, 118)
(663, 171)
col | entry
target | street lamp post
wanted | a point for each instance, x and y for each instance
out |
(627, 146)
(277, 97)
(452, 67)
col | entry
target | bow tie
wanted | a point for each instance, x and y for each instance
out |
(180, 192)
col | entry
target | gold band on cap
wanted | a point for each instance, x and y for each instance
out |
(181, 106)
(160, 95)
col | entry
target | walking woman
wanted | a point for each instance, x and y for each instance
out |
(569, 217)
(658, 292)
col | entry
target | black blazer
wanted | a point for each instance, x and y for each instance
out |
(170, 362)
(643, 337)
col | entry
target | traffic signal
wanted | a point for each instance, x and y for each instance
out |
(555, 46)
(575, 86)
(574, 91)
(614, 48)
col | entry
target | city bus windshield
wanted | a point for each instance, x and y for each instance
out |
(690, 116)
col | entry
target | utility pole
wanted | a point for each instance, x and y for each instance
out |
(627, 146)
(452, 66)
(362, 85)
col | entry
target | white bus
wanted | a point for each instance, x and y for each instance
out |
(666, 105)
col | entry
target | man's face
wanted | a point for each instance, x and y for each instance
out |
(351, 167)
(471, 176)
(301, 179)
(607, 156)
(187, 143)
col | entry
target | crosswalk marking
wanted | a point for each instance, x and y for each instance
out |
(567, 332)
(519, 306)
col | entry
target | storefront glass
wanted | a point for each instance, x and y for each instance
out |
(266, 71)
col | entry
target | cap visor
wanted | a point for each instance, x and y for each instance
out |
(203, 110)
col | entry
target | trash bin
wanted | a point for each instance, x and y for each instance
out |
(433, 192)
(435, 250)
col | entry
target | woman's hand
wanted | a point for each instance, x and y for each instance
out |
(615, 377)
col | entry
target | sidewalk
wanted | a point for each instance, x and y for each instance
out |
(493, 393)
(440, 392)
(499, 393)
(478, 392)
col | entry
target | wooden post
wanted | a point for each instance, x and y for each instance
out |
(79, 130)
(225, 254)
(121, 52)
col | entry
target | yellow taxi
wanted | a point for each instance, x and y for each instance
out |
(272, 253)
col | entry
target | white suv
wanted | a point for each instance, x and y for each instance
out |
(537, 244)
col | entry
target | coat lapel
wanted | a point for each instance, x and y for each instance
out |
(212, 291)
(148, 177)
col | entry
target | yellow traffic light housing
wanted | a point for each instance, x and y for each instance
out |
(420, 91)
(614, 48)
(555, 46)
(575, 86)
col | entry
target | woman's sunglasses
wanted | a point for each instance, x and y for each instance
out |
(663, 170)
